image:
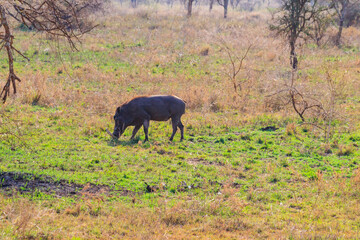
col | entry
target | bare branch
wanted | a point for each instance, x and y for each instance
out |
(66, 19)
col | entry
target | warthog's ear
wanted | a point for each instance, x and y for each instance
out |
(118, 110)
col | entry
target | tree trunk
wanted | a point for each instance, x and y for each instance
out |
(190, 2)
(226, 3)
(341, 25)
(293, 57)
(211, 5)
(8, 38)
(170, 3)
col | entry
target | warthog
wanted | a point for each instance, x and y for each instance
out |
(140, 110)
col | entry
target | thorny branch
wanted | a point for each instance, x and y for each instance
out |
(325, 108)
(298, 101)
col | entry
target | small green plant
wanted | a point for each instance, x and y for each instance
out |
(284, 163)
(345, 150)
(274, 178)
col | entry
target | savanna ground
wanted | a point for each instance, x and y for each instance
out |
(247, 168)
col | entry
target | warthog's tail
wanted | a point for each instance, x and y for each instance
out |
(107, 130)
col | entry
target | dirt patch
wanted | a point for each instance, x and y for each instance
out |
(11, 182)
(196, 161)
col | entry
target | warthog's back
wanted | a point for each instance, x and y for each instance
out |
(159, 107)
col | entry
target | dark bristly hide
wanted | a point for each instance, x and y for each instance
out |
(139, 111)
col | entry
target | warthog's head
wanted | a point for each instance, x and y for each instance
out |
(119, 123)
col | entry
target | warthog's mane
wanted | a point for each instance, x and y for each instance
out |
(147, 96)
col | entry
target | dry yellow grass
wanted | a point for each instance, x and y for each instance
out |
(169, 39)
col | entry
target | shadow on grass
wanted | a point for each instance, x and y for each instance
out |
(115, 142)
(138, 141)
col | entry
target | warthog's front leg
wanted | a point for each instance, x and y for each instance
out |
(136, 129)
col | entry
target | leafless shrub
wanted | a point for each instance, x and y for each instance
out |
(241, 86)
(315, 105)
(330, 111)
(317, 30)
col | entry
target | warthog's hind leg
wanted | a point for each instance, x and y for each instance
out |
(146, 125)
(181, 126)
(175, 123)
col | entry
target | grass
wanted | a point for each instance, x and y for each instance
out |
(249, 173)
(245, 170)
